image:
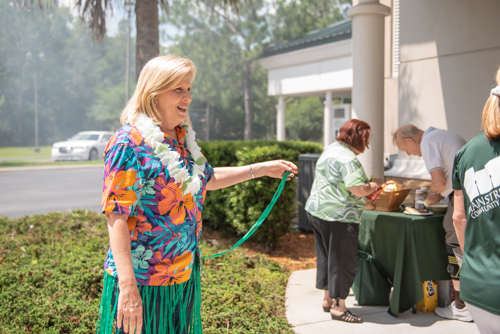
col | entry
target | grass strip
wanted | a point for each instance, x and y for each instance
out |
(51, 280)
(33, 163)
(25, 152)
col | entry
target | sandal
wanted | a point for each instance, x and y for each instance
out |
(327, 308)
(347, 316)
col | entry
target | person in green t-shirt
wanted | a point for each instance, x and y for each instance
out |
(334, 210)
(476, 180)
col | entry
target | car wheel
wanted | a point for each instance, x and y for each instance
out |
(93, 154)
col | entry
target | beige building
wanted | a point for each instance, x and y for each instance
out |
(426, 62)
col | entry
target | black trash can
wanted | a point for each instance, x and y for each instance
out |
(307, 165)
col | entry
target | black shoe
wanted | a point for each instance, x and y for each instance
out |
(347, 316)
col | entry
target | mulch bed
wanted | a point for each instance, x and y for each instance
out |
(294, 250)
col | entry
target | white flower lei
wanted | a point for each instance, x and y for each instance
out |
(190, 182)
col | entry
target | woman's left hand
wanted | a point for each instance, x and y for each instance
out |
(277, 168)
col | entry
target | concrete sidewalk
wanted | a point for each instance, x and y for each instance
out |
(304, 312)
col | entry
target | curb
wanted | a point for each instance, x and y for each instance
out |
(24, 169)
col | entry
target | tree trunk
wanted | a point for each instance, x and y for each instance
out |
(20, 110)
(248, 102)
(148, 40)
(207, 120)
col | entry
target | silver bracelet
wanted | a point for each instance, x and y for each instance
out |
(251, 171)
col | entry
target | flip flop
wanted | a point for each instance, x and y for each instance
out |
(347, 316)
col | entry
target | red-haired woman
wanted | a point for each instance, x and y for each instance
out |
(334, 210)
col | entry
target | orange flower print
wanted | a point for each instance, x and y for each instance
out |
(115, 191)
(110, 144)
(160, 180)
(198, 224)
(136, 225)
(135, 136)
(131, 223)
(169, 273)
(176, 203)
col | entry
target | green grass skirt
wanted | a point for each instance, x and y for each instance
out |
(165, 308)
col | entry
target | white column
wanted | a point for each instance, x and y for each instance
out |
(368, 78)
(328, 120)
(280, 119)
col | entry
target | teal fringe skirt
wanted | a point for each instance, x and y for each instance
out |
(170, 309)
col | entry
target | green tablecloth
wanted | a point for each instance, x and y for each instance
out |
(410, 249)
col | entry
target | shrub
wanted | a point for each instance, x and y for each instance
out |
(237, 208)
(51, 269)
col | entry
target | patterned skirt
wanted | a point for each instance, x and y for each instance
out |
(171, 309)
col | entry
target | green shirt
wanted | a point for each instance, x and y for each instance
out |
(477, 173)
(336, 170)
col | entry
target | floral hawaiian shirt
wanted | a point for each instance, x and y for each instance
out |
(164, 224)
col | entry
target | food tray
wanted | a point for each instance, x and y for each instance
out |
(389, 200)
(419, 214)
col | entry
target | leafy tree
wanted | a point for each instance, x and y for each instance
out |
(225, 44)
(250, 31)
(234, 39)
(93, 12)
(81, 86)
(214, 88)
(294, 19)
(23, 31)
(75, 81)
(110, 90)
(304, 118)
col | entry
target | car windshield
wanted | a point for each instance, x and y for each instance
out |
(84, 136)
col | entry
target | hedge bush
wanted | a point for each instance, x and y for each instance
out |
(235, 209)
(51, 269)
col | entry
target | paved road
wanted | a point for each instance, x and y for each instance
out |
(30, 192)
(38, 159)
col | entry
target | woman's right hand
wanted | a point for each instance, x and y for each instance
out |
(366, 189)
(379, 182)
(129, 310)
(129, 313)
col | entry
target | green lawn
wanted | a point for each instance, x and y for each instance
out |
(26, 157)
(32, 163)
(25, 152)
(51, 269)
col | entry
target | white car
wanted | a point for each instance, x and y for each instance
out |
(86, 145)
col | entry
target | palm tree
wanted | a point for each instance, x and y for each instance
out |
(148, 41)
(93, 12)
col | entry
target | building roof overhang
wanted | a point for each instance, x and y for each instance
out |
(336, 32)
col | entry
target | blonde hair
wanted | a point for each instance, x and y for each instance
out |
(405, 131)
(491, 114)
(159, 75)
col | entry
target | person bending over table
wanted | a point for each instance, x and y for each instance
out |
(438, 147)
(155, 181)
(476, 180)
(334, 210)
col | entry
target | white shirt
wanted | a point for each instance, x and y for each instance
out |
(438, 149)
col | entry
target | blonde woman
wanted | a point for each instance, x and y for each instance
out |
(476, 180)
(155, 181)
